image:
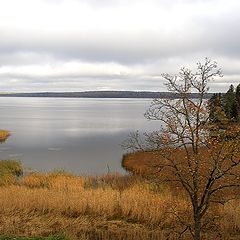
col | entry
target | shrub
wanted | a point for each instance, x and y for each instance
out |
(9, 170)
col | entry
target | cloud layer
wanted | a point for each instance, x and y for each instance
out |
(77, 45)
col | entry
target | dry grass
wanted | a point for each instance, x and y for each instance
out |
(97, 208)
(141, 163)
(4, 135)
(43, 204)
(223, 221)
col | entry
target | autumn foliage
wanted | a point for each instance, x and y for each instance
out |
(190, 152)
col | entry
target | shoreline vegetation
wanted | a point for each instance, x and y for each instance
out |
(4, 135)
(110, 206)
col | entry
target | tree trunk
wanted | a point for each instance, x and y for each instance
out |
(197, 228)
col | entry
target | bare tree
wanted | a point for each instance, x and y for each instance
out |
(206, 168)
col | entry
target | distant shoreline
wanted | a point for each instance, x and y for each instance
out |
(101, 94)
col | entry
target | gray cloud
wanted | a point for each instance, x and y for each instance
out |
(113, 44)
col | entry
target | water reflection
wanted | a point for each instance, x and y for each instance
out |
(79, 135)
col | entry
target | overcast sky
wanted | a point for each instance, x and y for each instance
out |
(79, 45)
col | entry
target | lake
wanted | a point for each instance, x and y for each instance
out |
(80, 135)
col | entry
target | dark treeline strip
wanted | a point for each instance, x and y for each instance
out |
(102, 94)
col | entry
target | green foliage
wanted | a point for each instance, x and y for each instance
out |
(216, 112)
(11, 167)
(9, 170)
(238, 102)
(225, 108)
(229, 103)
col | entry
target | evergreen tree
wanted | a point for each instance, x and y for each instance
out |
(237, 99)
(216, 112)
(229, 104)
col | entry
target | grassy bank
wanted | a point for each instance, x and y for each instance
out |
(82, 208)
(4, 135)
(105, 207)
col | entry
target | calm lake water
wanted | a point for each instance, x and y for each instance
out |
(75, 134)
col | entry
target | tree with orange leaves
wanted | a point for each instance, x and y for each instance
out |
(206, 167)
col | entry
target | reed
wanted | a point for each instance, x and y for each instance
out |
(4, 135)
(99, 208)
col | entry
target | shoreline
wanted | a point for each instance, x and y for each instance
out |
(4, 134)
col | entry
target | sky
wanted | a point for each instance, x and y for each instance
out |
(81, 45)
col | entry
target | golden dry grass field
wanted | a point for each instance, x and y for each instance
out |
(105, 207)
